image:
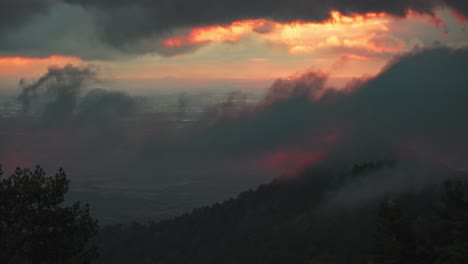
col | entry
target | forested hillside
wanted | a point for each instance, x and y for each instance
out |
(320, 216)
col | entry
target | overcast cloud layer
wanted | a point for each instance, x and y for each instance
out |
(106, 28)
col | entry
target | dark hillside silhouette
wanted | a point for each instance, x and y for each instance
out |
(290, 221)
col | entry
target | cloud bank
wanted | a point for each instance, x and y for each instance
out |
(415, 107)
(14, 13)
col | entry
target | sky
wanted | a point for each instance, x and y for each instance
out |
(141, 41)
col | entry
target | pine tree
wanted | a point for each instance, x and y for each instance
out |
(35, 224)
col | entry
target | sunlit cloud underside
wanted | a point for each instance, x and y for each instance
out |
(342, 46)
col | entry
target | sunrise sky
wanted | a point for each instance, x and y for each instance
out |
(254, 46)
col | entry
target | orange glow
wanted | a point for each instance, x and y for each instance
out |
(368, 32)
(173, 42)
(299, 37)
(18, 67)
(216, 33)
(343, 46)
(365, 40)
(22, 61)
(337, 17)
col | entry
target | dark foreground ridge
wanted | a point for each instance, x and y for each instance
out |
(321, 216)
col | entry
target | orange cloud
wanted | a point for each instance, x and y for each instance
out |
(216, 33)
(298, 37)
(368, 33)
(366, 41)
(345, 46)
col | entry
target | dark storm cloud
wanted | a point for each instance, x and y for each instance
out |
(61, 29)
(62, 95)
(108, 29)
(417, 103)
(415, 107)
(414, 111)
(59, 88)
(100, 105)
(14, 13)
(123, 22)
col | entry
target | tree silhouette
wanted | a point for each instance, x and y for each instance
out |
(452, 239)
(393, 240)
(442, 239)
(36, 226)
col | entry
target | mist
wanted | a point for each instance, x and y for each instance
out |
(163, 163)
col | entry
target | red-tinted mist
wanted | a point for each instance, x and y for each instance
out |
(289, 161)
(460, 18)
